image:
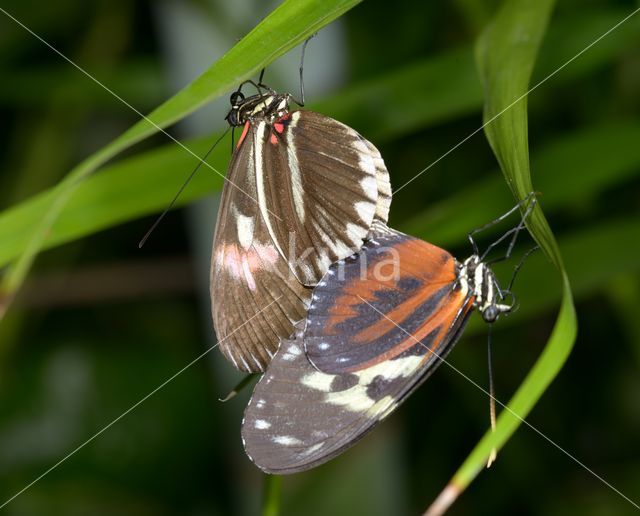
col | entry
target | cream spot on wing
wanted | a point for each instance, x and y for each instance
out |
(369, 186)
(318, 381)
(324, 261)
(244, 227)
(261, 424)
(286, 440)
(356, 398)
(360, 146)
(312, 449)
(356, 232)
(365, 210)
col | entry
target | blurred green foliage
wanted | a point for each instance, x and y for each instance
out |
(90, 336)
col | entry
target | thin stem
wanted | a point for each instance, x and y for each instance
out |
(272, 495)
(241, 385)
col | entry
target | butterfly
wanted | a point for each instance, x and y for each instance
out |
(302, 192)
(380, 322)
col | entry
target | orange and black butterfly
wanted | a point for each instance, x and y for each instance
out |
(379, 324)
(303, 191)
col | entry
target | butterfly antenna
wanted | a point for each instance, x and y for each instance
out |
(184, 185)
(261, 78)
(304, 49)
(492, 398)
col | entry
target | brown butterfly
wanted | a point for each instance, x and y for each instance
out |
(302, 192)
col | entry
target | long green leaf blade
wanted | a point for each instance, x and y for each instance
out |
(506, 54)
(283, 29)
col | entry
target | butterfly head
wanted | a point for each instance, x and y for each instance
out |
(262, 106)
(480, 282)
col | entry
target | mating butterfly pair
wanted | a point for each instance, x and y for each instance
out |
(306, 206)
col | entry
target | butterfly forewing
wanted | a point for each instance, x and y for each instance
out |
(302, 192)
(397, 289)
(325, 186)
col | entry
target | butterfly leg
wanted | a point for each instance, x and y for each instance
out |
(530, 201)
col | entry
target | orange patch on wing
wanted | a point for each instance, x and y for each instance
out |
(443, 320)
(415, 258)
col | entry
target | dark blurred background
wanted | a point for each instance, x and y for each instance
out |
(100, 324)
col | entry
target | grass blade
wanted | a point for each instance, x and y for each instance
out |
(506, 53)
(283, 29)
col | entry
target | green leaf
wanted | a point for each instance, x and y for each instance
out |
(388, 107)
(506, 53)
(287, 26)
(570, 170)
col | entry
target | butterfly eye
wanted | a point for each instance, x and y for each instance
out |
(490, 314)
(236, 98)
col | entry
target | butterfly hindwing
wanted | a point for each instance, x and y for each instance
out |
(397, 289)
(299, 417)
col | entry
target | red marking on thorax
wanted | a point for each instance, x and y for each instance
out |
(278, 127)
(243, 135)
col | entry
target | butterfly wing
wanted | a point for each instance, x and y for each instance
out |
(299, 417)
(324, 185)
(397, 289)
(301, 193)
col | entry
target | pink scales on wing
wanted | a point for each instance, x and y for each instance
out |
(242, 263)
